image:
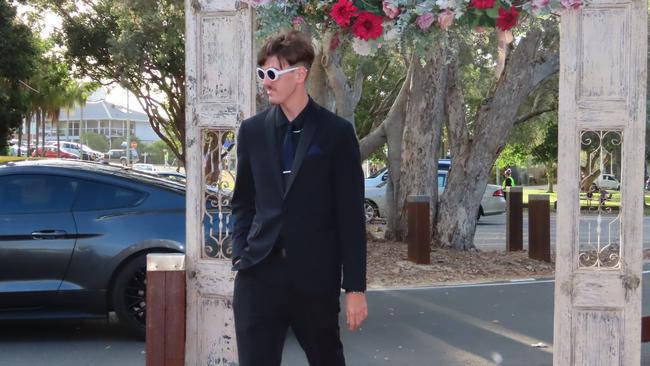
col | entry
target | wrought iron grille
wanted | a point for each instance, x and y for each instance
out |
(219, 161)
(599, 234)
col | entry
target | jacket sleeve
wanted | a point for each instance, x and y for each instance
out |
(243, 200)
(349, 193)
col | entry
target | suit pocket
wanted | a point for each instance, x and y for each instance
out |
(254, 230)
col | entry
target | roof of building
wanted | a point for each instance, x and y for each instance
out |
(101, 110)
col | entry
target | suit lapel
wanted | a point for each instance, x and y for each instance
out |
(308, 130)
(269, 131)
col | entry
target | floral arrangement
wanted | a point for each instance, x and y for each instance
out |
(372, 22)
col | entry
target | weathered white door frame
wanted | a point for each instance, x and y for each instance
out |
(599, 252)
(219, 95)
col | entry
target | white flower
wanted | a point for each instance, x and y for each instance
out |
(361, 47)
(446, 4)
(390, 32)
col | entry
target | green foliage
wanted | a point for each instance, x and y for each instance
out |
(95, 141)
(385, 75)
(513, 155)
(546, 152)
(17, 56)
(139, 44)
(156, 152)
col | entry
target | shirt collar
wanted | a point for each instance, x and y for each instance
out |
(281, 119)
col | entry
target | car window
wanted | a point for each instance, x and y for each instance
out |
(102, 196)
(36, 193)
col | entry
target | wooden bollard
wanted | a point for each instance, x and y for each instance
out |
(165, 345)
(645, 329)
(539, 227)
(514, 219)
(419, 232)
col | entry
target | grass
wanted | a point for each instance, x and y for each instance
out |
(615, 201)
(4, 159)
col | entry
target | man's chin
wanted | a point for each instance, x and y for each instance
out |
(274, 101)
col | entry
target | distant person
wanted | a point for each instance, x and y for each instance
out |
(373, 170)
(509, 181)
(134, 156)
(166, 157)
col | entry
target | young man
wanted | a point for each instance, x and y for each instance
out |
(299, 231)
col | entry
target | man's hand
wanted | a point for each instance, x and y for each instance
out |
(356, 309)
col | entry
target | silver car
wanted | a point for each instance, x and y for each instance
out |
(492, 203)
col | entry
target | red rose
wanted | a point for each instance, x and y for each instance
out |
(507, 18)
(343, 11)
(483, 4)
(367, 26)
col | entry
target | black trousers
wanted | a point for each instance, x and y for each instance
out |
(266, 305)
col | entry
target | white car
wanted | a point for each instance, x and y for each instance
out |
(149, 168)
(608, 181)
(492, 203)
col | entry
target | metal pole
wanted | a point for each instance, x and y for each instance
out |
(128, 130)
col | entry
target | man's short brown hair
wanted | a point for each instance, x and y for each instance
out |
(291, 47)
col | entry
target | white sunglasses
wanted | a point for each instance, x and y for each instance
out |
(272, 73)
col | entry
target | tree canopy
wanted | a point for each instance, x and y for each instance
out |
(138, 44)
(17, 57)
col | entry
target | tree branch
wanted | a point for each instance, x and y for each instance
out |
(524, 118)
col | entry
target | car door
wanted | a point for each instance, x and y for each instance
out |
(37, 238)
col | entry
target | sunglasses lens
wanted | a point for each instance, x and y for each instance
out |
(260, 74)
(271, 74)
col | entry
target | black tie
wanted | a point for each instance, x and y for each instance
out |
(287, 154)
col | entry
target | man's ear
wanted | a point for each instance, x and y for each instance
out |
(302, 74)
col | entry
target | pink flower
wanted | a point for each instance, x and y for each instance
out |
(297, 20)
(445, 19)
(425, 20)
(538, 4)
(390, 10)
(479, 29)
(571, 4)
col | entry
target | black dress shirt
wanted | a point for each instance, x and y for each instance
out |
(281, 125)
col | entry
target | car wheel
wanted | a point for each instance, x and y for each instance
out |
(370, 210)
(129, 295)
(480, 213)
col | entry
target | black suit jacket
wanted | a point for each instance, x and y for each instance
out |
(319, 216)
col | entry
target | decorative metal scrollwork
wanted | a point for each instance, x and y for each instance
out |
(600, 220)
(218, 178)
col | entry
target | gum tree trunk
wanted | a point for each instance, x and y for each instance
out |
(473, 154)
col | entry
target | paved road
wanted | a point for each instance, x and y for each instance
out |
(491, 231)
(493, 324)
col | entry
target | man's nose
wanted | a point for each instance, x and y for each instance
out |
(267, 82)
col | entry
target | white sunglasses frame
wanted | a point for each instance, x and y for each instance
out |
(277, 72)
